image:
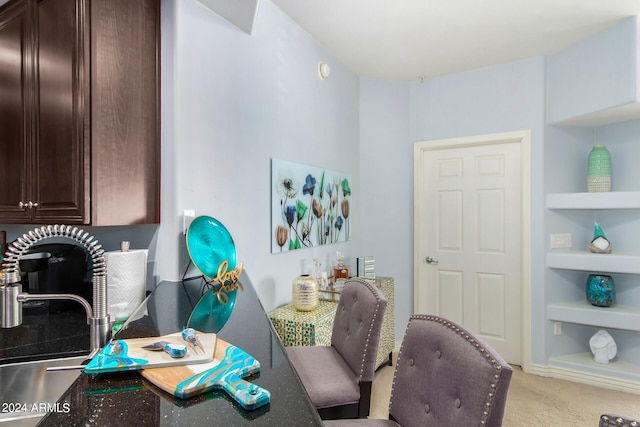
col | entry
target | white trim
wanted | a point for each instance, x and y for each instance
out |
(603, 381)
(524, 139)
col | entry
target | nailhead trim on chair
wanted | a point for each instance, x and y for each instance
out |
(619, 421)
(375, 315)
(482, 350)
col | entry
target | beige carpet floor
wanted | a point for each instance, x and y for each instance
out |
(536, 401)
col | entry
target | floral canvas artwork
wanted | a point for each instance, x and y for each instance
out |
(310, 206)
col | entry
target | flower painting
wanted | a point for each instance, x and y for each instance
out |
(310, 206)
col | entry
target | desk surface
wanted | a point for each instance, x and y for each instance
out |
(289, 312)
(127, 398)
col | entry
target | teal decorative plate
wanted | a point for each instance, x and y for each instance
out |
(209, 243)
(209, 315)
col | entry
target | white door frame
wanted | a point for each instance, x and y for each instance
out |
(524, 139)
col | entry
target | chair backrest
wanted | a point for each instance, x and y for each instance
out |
(615, 420)
(447, 376)
(357, 326)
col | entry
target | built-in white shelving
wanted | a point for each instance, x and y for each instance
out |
(619, 113)
(606, 200)
(587, 261)
(609, 61)
(584, 361)
(581, 312)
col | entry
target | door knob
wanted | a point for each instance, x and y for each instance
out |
(431, 260)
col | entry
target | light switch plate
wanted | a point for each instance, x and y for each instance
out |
(187, 216)
(557, 328)
(560, 240)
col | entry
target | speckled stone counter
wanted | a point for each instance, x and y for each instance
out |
(128, 399)
(44, 335)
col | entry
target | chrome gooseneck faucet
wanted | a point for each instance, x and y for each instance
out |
(12, 297)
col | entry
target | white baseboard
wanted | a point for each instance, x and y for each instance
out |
(604, 381)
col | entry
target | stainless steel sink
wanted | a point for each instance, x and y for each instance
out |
(28, 388)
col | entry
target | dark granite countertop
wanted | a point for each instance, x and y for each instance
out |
(127, 398)
(43, 335)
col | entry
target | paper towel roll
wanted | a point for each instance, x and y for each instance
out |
(126, 282)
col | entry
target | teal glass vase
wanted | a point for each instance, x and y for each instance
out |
(599, 170)
(601, 290)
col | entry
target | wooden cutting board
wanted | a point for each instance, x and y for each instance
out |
(128, 354)
(226, 372)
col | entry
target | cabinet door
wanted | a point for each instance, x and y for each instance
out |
(14, 112)
(125, 112)
(59, 171)
(79, 112)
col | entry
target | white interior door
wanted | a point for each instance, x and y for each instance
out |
(469, 239)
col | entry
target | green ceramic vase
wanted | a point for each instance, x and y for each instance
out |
(599, 170)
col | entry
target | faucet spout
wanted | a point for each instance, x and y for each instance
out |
(24, 296)
(11, 295)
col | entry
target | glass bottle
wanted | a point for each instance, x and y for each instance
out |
(317, 267)
(340, 271)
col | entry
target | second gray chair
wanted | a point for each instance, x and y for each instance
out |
(445, 376)
(338, 377)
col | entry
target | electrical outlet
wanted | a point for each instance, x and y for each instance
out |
(560, 240)
(187, 216)
(557, 328)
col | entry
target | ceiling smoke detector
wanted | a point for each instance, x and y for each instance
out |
(323, 70)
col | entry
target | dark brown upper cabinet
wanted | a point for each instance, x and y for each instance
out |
(80, 112)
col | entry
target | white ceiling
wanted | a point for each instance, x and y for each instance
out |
(407, 39)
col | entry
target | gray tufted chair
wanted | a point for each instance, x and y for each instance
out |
(338, 377)
(446, 376)
(614, 420)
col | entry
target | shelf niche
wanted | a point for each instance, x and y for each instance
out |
(616, 368)
(587, 261)
(581, 312)
(607, 200)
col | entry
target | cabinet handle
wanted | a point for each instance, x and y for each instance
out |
(29, 205)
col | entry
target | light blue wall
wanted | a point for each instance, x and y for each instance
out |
(386, 165)
(236, 101)
(594, 74)
(501, 98)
